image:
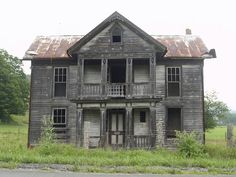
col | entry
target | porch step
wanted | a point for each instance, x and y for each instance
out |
(170, 144)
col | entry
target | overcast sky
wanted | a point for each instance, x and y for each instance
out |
(213, 20)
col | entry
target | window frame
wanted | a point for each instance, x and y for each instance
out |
(56, 108)
(179, 82)
(54, 81)
(112, 29)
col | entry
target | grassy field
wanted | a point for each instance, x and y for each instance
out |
(216, 136)
(13, 151)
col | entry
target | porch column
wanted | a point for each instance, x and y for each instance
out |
(79, 127)
(129, 76)
(128, 128)
(160, 124)
(103, 127)
(152, 65)
(104, 77)
(80, 77)
(152, 126)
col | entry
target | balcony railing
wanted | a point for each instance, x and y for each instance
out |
(116, 89)
(91, 90)
(141, 89)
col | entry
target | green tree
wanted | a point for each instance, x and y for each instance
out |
(214, 110)
(14, 87)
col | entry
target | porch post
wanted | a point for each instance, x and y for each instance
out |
(152, 65)
(80, 76)
(79, 127)
(129, 76)
(102, 127)
(152, 126)
(103, 77)
(128, 128)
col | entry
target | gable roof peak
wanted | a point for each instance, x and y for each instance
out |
(116, 16)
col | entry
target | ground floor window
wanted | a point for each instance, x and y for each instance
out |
(173, 122)
(59, 117)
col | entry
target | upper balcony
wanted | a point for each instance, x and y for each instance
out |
(116, 78)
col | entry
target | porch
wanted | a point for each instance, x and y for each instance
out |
(116, 128)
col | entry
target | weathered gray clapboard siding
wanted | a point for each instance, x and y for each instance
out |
(92, 74)
(41, 82)
(160, 81)
(140, 128)
(72, 82)
(41, 93)
(141, 73)
(131, 42)
(192, 90)
(42, 100)
(92, 116)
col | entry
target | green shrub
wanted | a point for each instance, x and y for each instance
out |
(47, 134)
(188, 145)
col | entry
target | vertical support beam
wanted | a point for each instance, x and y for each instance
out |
(80, 76)
(79, 127)
(129, 77)
(152, 126)
(103, 76)
(152, 66)
(102, 127)
(160, 124)
(128, 127)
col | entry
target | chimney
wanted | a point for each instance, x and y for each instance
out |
(188, 31)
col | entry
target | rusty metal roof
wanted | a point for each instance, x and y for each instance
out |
(188, 46)
(185, 46)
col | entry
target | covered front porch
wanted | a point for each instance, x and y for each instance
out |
(116, 125)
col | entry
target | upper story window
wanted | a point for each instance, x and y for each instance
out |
(173, 81)
(116, 35)
(60, 74)
(59, 117)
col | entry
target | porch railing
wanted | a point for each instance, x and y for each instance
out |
(142, 141)
(91, 89)
(141, 89)
(116, 90)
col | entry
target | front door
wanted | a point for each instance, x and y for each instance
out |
(116, 129)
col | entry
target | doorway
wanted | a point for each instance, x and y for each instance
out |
(116, 128)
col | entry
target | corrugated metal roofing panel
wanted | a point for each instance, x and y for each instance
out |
(186, 46)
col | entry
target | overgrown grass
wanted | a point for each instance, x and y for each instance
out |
(13, 151)
(216, 136)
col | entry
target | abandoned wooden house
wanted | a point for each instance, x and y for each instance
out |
(117, 86)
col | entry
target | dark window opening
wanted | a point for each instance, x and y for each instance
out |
(173, 122)
(142, 116)
(59, 117)
(60, 82)
(116, 38)
(173, 81)
(116, 35)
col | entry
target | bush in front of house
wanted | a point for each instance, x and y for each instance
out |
(188, 144)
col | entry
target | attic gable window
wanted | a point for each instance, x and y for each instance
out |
(173, 81)
(116, 35)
